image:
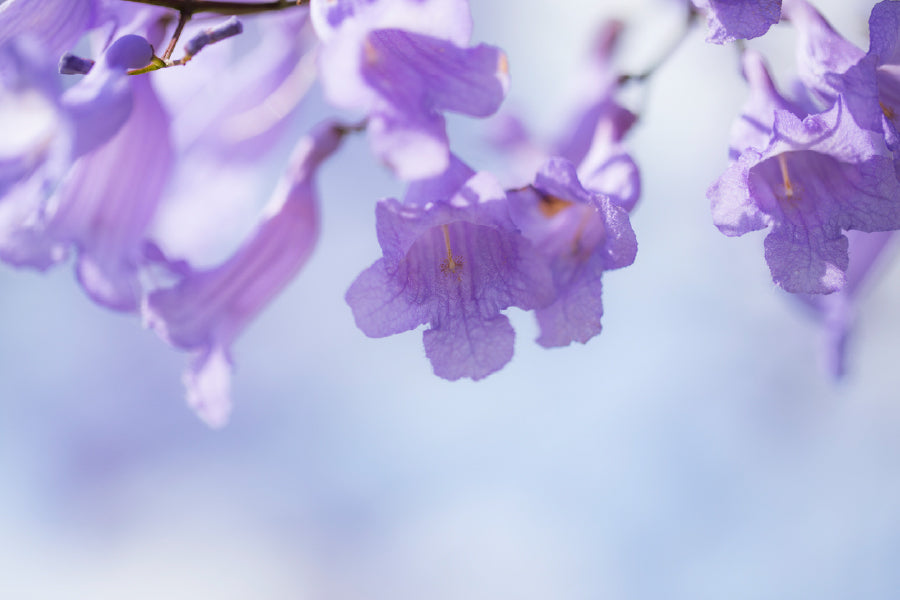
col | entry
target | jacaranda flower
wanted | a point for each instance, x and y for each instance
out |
(580, 234)
(453, 259)
(207, 309)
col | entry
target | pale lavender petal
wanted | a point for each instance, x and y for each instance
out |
(384, 303)
(469, 347)
(729, 20)
(412, 148)
(575, 314)
(207, 309)
(734, 211)
(23, 238)
(100, 103)
(56, 24)
(33, 128)
(822, 53)
(753, 129)
(411, 71)
(208, 385)
(403, 81)
(445, 19)
(109, 198)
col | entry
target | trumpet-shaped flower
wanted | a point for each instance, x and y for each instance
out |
(453, 259)
(815, 178)
(207, 309)
(580, 235)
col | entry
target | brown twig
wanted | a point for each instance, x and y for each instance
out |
(222, 7)
(183, 17)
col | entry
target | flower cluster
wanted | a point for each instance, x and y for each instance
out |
(105, 156)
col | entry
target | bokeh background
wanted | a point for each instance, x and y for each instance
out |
(696, 449)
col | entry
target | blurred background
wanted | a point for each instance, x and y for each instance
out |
(695, 449)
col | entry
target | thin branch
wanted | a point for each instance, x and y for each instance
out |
(222, 7)
(183, 18)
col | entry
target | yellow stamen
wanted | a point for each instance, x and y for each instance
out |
(785, 176)
(503, 64)
(888, 111)
(551, 206)
(453, 264)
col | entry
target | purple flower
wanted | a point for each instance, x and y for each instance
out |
(207, 309)
(452, 259)
(729, 20)
(822, 53)
(116, 131)
(580, 235)
(404, 63)
(869, 83)
(813, 179)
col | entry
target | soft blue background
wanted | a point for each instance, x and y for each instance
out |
(694, 450)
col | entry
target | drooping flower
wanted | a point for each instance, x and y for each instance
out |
(207, 309)
(116, 132)
(822, 53)
(815, 178)
(580, 234)
(729, 20)
(404, 63)
(868, 83)
(453, 259)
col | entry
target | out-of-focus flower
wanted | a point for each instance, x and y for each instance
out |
(207, 309)
(405, 62)
(116, 132)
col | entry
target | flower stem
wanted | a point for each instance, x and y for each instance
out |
(183, 18)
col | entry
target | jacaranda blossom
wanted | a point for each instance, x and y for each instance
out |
(815, 178)
(116, 133)
(580, 235)
(404, 73)
(453, 259)
(207, 309)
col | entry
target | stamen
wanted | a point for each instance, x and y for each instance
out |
(452, 264)
(888, 111)
(785, 176)
(551, 206)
